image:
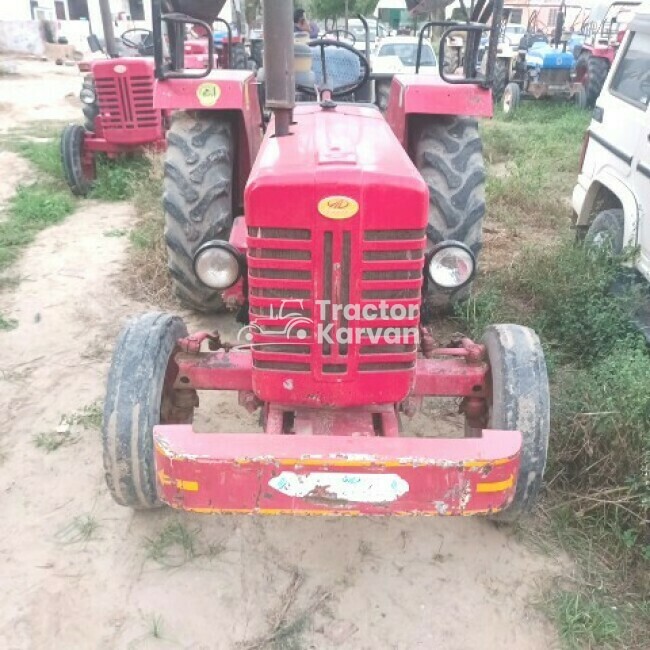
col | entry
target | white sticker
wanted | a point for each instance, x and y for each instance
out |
(359, 488)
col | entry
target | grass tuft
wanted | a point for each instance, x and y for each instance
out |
(7, 324)
(81, 529)
(173, 546)
(119, 179)
(585, 621)
(32, 209)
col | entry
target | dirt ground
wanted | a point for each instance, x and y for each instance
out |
(343, 583)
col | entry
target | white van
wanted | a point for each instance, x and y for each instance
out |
(612, 198)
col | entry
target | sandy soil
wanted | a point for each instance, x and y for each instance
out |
(346, 583)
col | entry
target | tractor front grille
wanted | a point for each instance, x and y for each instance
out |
(557, 77)
(126, 102)
(291, 269)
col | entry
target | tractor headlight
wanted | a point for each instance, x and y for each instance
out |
(87, 95)
(451, 265)
(218, 264)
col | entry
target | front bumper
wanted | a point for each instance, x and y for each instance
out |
(335, 475)
(578, 199)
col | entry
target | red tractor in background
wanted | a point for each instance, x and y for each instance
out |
(603, 37)
(117, 94)
(331, 231)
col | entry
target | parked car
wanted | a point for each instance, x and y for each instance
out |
(611, 200)
(398, 55)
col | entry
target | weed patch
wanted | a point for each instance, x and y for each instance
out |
(32, 209)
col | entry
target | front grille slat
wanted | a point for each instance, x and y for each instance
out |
(366, 269)
(126, 103)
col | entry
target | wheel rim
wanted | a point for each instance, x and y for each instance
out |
(507, 101)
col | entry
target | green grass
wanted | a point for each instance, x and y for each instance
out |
(52, 440)
(173, 546)
(585, 621)
(539, 149)
(7, 324)
(32, 209)
(45, 156)
(81, 529)
(119, 179)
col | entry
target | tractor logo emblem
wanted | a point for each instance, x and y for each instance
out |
(208, 94)
(338, 207)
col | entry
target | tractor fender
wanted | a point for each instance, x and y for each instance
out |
(221, 90)
(625, 196)
(421, 94)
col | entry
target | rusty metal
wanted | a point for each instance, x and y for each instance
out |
(427, 342)
(249, 400)
(192, 344)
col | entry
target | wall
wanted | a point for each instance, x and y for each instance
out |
(22, 36)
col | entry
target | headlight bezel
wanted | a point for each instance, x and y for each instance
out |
(445, 245)
(227, 247)
(88, 89)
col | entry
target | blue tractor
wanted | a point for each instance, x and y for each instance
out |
(543, 69)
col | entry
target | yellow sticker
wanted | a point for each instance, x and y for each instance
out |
(338, 207)
(208, 94)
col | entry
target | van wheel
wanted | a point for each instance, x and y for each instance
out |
(606, 232)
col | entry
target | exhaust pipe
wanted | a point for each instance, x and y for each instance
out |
(279, 62)
(107, 24)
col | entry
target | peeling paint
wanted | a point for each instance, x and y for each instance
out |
(338, 486)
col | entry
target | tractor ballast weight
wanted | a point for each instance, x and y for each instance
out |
(329, 263)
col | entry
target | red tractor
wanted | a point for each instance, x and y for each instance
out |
(603, 37)
(118, 93)
(331, 232)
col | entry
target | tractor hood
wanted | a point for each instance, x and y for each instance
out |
(206, 10)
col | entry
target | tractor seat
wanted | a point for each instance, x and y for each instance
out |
(343, 68)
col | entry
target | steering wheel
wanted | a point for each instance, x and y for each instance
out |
(341, 90)
(336, 32)
(144, 33)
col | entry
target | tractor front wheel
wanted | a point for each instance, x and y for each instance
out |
(580, 98)
(140, 395)
(449, 156)
(520, 401)
(197, 198)
(78, 165)
(511, 99)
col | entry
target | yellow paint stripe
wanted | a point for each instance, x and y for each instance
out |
(497, 486)
(329, 513)
(187, 486)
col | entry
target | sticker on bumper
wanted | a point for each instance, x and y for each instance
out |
(358, 488)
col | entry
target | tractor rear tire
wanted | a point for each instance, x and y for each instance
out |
(511, 99)
(520, 402)
(597, 70)
(72, 145)
(607, 231)
(197, 198)
(500, 79)
(139, 396)
(449, 156)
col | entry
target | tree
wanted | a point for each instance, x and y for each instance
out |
(252, 9)
(327, 8)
